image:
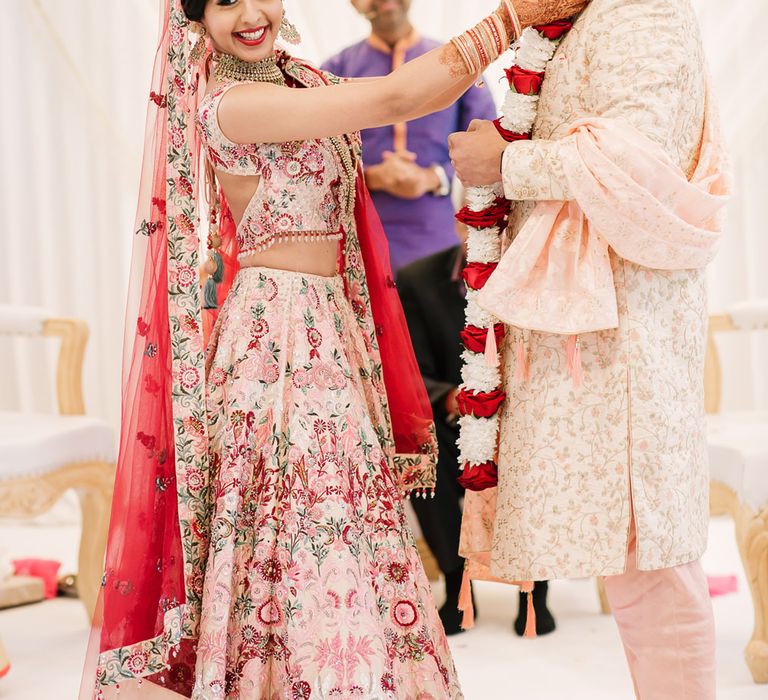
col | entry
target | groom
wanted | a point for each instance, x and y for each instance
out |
(608, 476)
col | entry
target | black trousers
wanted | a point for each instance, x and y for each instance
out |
(440, 517)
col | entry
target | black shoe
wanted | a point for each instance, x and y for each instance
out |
(545, 623)
(451, 617)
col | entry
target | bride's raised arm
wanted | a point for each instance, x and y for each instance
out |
(429, 83)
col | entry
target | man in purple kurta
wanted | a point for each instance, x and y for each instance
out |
(408, 169)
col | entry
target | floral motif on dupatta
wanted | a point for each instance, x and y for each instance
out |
(175, 219)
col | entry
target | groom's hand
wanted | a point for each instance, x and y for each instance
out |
(476, 154)
(535, 12)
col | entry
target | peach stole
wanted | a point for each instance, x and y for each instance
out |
(630, 196)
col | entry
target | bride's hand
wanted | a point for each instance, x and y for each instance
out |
(535, 12)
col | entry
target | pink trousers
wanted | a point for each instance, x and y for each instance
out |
(667, 627)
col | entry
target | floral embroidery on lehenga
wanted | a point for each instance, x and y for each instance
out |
(314, 587)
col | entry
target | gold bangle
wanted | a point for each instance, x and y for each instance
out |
(483, 44)
(458, 43)
(480, 47)
(465, 52)
(517, 27)
(497, 34)
(503, 36)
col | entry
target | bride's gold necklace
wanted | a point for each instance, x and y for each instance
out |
(232, 69)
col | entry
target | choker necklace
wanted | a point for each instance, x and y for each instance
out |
(230, 68)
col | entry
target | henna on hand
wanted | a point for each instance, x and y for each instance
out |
(534, 12)
(450, 57)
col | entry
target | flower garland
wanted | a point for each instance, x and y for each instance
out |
(486, 215)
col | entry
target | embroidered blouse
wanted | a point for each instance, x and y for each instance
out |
(306, 191)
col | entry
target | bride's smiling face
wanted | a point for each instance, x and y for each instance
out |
(244, 28)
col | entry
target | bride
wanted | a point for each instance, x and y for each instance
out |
(258, 546)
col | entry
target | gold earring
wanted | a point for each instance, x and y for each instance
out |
(289, 32)
(201, 45)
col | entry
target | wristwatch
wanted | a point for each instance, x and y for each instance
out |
(445, 184)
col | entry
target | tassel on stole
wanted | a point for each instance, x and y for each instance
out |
(465, 602)
(530, 620)
(573, 359)
(491, 349)
(521, 361)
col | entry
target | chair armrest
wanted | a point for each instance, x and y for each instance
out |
(713, 376)
(22, 320)
(744, 316)
(69, 374)
(750, 315)
(18, 320)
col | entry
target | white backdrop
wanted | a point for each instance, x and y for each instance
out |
(76, 76)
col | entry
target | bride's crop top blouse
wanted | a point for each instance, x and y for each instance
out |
(300, 195)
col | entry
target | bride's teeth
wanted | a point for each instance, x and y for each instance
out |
(252, 36)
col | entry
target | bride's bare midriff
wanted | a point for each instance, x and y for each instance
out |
(311, 258)
(318, 258)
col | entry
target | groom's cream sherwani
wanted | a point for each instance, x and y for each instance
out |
(572, 461)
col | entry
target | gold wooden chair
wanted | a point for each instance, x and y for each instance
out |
(43, 455)
(738, 450)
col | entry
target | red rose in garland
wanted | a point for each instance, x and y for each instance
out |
(510, 136)
(475, 338)
(554, 30)
(525, 82)
(478, 477)
(494, 215)
(476, 274)
(481, 404)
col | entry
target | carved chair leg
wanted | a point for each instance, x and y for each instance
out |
(752, 536)
(605, 606)
(95, 506)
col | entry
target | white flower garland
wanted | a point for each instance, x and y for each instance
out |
(481, 372)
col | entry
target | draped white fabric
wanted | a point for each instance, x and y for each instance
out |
(74, 100)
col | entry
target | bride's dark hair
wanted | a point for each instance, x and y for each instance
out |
(193, 9)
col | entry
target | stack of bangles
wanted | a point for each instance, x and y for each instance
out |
(485, 42)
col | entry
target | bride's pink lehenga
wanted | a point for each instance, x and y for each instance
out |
(258, 548)
(314, 587)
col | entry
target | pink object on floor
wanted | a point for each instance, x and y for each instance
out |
(667, 626)
(5, 664)
(722, 585)
(46, 569)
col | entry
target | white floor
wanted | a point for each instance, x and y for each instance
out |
(583, 659)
